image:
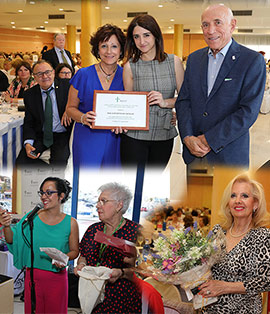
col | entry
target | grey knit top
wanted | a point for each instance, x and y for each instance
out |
(157, 76)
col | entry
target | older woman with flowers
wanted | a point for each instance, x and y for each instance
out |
(121, 295)
(242, 274)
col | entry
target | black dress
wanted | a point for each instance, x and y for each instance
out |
(121, 296)
(249, 263)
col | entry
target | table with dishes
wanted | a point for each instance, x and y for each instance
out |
(11, 121)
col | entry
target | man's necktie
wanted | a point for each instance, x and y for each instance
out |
(48, 122)
(63, 57)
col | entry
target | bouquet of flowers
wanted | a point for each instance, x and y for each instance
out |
(184, 257)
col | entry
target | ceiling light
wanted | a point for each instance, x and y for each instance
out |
(20, 11)
(32, 2)
(12, 22)
(125, 21)
(107, 8)
(160, 5)
(61, 9)
(169, 27)
(172, 20)
(13, 26)
(63, 28)
(46, 22)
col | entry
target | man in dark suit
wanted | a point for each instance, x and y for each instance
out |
(221, 94)
(58, 54)
(46, 125)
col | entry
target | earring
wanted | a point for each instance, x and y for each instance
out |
(254, 210)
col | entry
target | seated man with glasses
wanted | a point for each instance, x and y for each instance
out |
(46, 125)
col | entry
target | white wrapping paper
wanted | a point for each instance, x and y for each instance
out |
(56, 255)
(92, 286)
(193, 278)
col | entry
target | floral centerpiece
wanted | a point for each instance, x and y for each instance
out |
(184, 257)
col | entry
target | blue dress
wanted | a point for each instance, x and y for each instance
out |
(94, 148)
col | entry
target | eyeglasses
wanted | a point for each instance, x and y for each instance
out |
(65, 73)
(40, 74)
(103, 202)
(47, 193)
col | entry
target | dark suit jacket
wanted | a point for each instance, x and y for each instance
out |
(34, 113)
(226, 115)
(3, 82)
(51, 56)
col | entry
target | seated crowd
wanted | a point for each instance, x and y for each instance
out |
(10, 63)
(183, 217)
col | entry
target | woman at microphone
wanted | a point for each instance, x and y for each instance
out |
(53, 229)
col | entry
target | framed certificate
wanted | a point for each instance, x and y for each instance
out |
(129, 110)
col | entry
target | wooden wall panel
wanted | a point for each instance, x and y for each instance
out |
(199, 192)
(186, 45)
(168, 43)
(191, 43)
(262, 176)
(196, 42)
(23, 40)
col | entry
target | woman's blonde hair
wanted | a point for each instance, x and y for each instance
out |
(260, 218)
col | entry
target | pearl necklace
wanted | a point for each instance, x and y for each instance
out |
(107, 76)
(239, 235)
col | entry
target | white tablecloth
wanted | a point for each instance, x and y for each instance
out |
(10, 137)
(7, 269)
(6, 265)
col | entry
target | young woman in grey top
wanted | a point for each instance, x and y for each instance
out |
(149, 68)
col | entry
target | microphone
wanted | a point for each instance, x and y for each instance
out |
(32, 213)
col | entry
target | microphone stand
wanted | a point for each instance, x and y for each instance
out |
(29, 219)
(33, 292)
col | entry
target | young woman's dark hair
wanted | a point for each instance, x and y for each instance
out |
(61, 185)
(104, 33)
(148, 22)
(26, 65)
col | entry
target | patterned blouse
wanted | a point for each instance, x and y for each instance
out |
(121, 296)
(15, 86)
(248, 262)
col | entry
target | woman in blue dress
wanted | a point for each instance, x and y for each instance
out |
(92, 147)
